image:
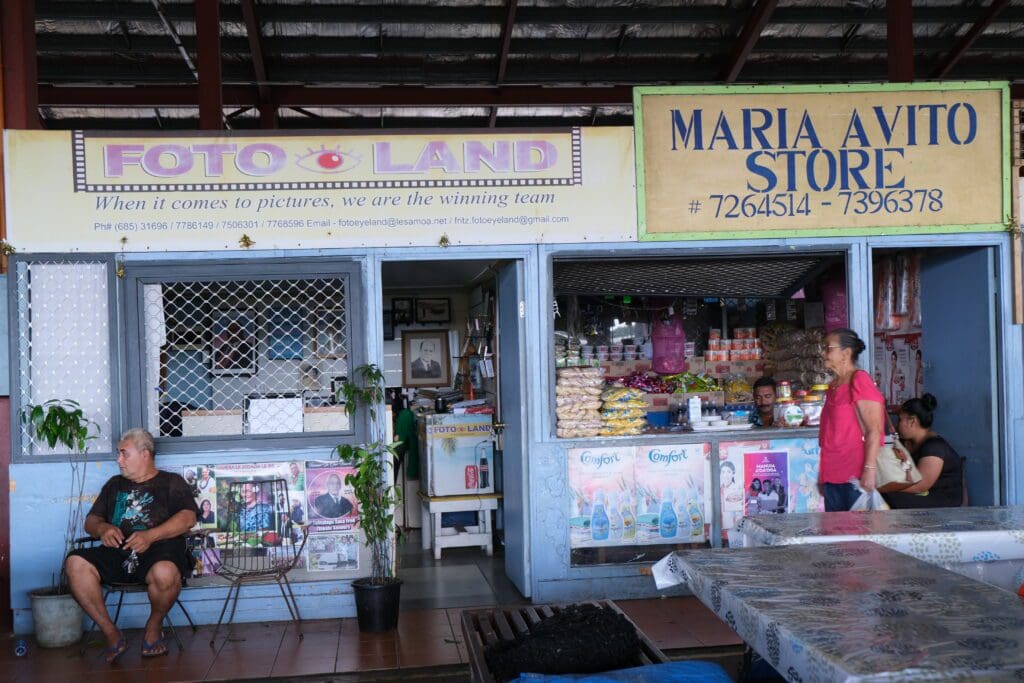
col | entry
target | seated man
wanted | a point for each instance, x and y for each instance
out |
(140, 517)
(764, 400)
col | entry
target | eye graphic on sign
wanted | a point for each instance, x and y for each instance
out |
(325, 160)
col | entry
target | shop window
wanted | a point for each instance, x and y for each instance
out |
(246, 353)
(62, 332)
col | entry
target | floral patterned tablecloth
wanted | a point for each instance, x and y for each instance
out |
(857, 611)
(942, 536)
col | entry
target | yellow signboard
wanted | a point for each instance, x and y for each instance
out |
(814, 160)
(87, 191)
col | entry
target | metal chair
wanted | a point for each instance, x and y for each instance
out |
(258, 545)
(135, 587)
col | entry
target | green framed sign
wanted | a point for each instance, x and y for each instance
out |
(729, 162)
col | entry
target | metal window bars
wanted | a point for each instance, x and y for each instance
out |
(245, 357)
(63, 342)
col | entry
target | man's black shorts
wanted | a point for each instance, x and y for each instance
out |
(110, 562)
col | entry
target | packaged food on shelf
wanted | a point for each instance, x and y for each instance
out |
(578, 403)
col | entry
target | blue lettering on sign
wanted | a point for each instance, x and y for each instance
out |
(588, 458)
(783, 158)
(667, 458)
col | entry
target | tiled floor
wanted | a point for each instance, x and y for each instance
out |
(424, 638)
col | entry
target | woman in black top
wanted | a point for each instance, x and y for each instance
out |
(939, 464)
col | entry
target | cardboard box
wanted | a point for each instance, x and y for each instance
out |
(624, 368)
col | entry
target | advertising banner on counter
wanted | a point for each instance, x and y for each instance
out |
(102, 191)
(773, 161)
(638, 495)
(767, 476)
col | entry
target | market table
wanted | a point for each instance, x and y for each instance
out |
(857, 611)
(942, 536)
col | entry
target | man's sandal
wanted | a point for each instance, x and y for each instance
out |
(155, 649)
(116, 650)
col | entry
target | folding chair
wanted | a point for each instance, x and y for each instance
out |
(135, 587)
(259, 545)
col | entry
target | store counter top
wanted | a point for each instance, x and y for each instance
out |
(677, 436)
(942, 536)
(858, 612)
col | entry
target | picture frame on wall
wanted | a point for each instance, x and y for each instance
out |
(286, 336)
(433, 311)
(402, 312)
(426, 361)
(233, 343)
(389, 327)
(329, 333)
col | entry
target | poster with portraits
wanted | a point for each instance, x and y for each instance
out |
(257, 508)
(329, 500)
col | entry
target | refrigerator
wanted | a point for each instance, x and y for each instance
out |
(457, 454)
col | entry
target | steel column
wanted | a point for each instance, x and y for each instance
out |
(18, 45)
(211, 99)
(900, 39)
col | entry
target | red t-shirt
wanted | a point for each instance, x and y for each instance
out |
(840, 435)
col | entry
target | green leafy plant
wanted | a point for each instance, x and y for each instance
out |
(371, 485)
(62, 421)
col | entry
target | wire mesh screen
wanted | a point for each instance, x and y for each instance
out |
(63, 340)
(245, 357)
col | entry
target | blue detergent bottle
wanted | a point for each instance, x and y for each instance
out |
(599, 519)
(668, 522)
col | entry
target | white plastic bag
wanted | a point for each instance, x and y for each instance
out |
(868, 500)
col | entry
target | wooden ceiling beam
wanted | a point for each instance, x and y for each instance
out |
(268, 112)
(973, 33)
(751, 31)
(506, 42)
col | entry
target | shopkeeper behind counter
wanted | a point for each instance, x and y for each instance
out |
(764, 401)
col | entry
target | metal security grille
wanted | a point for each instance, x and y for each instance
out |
(1018, 134)
(63, 343)
(245, 357)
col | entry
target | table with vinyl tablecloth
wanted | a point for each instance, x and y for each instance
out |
(856, 611)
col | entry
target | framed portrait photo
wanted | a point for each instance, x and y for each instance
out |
(425, 359)
(433, 311)
(233, 343)
(402, 312)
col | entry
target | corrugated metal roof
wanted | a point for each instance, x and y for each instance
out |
(357, 43)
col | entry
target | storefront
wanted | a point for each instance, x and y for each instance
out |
(214, 290)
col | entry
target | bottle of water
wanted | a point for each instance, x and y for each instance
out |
(668, 522)
(599, 519)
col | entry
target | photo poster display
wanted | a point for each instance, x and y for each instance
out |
(332, 552)
(648, 495)
(765, 480)
(331, 503)
(602, 485)
(731, 473)
(212, 489)
(804, 463)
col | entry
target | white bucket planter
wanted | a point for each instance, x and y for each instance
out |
(57, 617)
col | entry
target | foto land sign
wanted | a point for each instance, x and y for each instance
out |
(730, 162)
(86, 191)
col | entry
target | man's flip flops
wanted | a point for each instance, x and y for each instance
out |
(116, 650)
(155, 649)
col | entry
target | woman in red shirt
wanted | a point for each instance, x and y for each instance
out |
(852, 420)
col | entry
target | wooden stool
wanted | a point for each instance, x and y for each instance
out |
(440, 538)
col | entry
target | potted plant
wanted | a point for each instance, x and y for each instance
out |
(377, 595)
(56, 614)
